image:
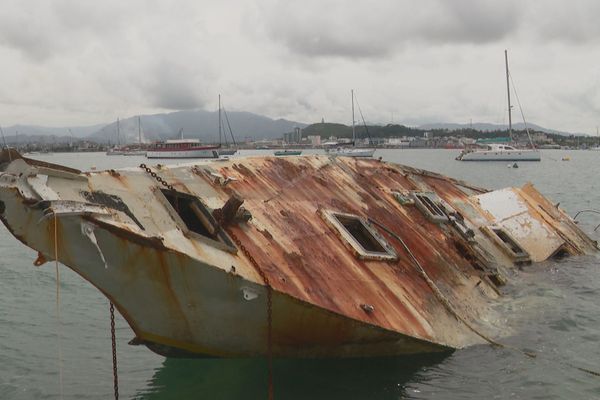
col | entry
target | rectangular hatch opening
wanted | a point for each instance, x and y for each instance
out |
(430, 204)
(189, 213)
(359, 236)
(196, 218)
(360, 233)
(509, 244)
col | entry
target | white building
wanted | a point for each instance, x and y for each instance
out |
(315, 140)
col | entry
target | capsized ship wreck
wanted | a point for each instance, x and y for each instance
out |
(309, 256)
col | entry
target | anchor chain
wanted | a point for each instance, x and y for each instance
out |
(155, 176)
(114, 350)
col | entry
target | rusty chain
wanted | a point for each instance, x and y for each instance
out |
(114, 350)
(155, 176)
(258, 269)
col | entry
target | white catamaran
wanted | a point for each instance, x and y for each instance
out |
(502, 152)
(351, 151)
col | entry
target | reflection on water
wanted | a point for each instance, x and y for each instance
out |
(381, 378)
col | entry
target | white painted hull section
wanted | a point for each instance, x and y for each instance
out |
(505, 155)
(204, 153)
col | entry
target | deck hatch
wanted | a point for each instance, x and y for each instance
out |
(360, 235)
(197, 219)
(508, 243)
(431, 205)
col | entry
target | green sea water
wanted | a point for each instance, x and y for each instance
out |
(552, 308)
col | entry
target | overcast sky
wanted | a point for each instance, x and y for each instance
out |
(79, 62)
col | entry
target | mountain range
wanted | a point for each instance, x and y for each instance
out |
(487, 127)
(200, 124)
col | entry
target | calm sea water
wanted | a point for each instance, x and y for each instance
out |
(553, 309)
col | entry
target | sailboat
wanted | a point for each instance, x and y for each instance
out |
(503, 152)
(351, 151)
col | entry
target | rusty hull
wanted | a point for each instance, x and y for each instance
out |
(185, 294)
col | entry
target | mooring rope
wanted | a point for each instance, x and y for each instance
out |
(58, 319)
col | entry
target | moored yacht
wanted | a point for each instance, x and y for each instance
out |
(499, 152)
(182, 148)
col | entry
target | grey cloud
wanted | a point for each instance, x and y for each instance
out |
(377, 29)
(144, 53)
(42, 30)
(27, 31)
(173, 87)
(574, 22)
(75, 15)
(471, 21)
(325, 44)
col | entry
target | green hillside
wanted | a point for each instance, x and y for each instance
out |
(326, 130)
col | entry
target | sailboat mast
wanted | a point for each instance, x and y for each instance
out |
(508, 92)
(353, 132)
(118, 134)
(139, 130)
(220, 119)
